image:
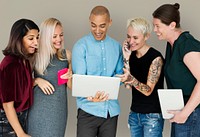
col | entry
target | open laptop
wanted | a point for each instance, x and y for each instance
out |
(170, 99)
(88, 85)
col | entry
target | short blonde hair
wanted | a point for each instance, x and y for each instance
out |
(141, 25)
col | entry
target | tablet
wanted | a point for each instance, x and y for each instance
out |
(170, 99)
(88, 85)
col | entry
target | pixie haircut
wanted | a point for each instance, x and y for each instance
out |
(15, 44)
(141, 25)
(168, 13)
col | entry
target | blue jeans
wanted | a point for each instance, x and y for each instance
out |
(5, 128)
(191, 128)
(146, 125)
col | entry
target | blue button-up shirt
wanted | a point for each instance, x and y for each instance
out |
(101, 58)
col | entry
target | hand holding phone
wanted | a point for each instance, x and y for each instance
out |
(126, 49)
(60, 73)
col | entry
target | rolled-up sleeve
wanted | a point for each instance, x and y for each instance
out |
(79, 59)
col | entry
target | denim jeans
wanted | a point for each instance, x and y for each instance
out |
(191, 128)
(146, 125)
(5, 128)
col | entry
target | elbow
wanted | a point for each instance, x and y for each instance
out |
(148, 92)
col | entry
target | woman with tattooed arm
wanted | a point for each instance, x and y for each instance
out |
(144, 74)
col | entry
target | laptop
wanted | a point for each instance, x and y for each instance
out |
(88, 85)
(170, 99)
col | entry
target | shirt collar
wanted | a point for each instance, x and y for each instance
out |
(92, 37)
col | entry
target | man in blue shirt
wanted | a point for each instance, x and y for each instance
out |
(97, 54)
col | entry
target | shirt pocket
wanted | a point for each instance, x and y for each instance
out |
(93, 65)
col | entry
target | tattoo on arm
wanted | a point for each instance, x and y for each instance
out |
(127, 67)
(153, 76)
(138, 85)
(155, 70)
(126, 64)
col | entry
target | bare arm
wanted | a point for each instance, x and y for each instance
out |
(69, 57)
(152, 78)
(13, 119)
(191, 60)
(126, 54)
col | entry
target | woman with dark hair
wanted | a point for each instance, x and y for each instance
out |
(181, 68)
(16, 78)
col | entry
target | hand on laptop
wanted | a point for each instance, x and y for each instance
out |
(99, 97)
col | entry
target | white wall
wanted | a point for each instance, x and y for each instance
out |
(74, 16)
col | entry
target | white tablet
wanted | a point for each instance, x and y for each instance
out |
(170, 99)
(88, 85)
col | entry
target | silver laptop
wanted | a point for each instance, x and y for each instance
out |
(88, 85)
(170, 99)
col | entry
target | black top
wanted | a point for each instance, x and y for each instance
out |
(139, 68)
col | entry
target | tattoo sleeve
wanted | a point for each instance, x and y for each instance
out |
(153, 76)
(143, 88)
(126, 64)
(155, 70)
(127, 67)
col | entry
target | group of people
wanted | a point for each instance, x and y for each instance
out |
(33, 104)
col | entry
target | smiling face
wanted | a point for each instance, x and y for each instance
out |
(99, 25)
(161, 29)
(58, 37)
(30, 41)
(135, 38)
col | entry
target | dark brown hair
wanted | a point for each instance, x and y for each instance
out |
(168, 13)
(18, 31)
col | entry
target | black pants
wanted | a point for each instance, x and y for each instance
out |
(92, 126)
(5, 128)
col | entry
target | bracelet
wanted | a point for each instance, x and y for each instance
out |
(126, 61)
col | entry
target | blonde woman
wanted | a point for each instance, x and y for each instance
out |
(145, 77)
(48, 116)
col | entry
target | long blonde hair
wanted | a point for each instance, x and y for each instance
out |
(46, 49)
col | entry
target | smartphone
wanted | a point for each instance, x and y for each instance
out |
(60, 73)
(127, 47)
